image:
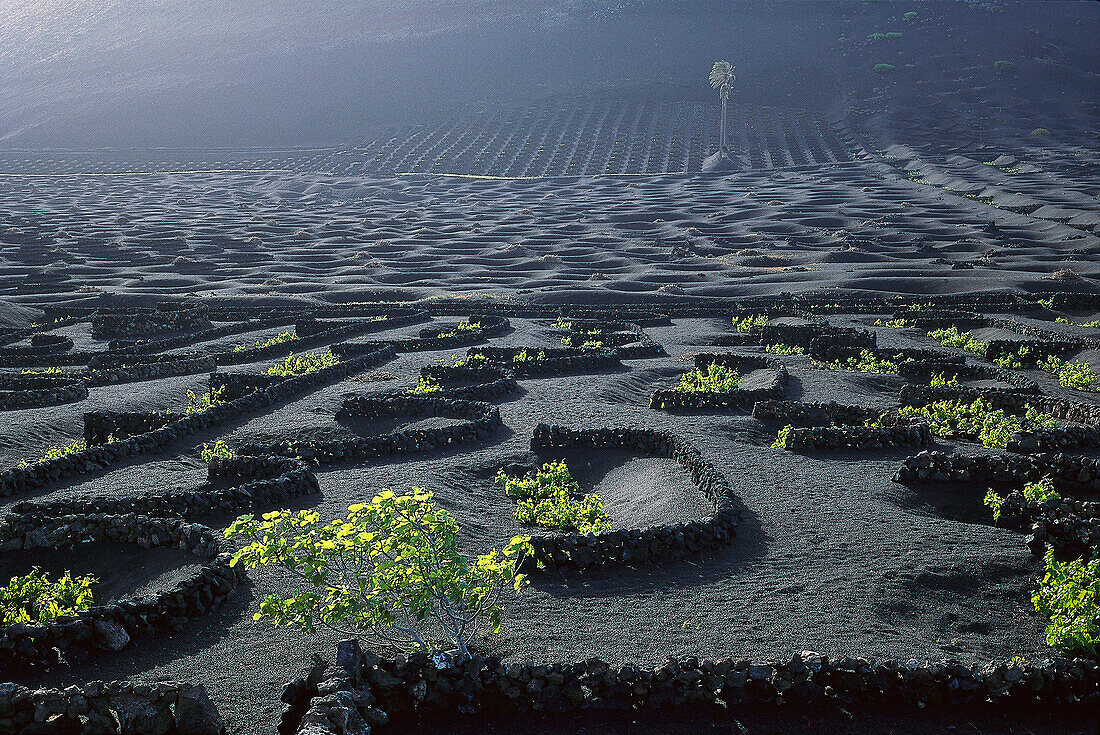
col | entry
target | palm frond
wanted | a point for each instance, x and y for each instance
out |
(719, 73)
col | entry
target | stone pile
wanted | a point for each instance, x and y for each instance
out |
(480, 420)
(106, 708)
(797, 413)
(137, 322)
(917, 434)
(37, 391)
(433, 684)
(1070, 473)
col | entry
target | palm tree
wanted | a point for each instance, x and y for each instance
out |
(722, 78)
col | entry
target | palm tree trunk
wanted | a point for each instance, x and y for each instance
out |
(723, 150)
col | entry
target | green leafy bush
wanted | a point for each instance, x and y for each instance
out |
(57, 451)
(43, 371)
(544, 482)
(463, 326)
(993, 501)
(425, 386)
(895, 323)
(867, 362)
(563, 512)
(952, 337)
(746, 324)
(217, 450)
(716, 379)
(33, 599)
(1016, 360)
(1033, 417)
(562, 323)
(390, 570)
(468, 361)
(197, 403)
(940, 380)
(883, 68)
(584, 341)
(1038, 492)
(1069, 594)
(781, 438)
(976, 421)
(1076, 374)
(303, 364)
(1095, 324)
(551, 498)
(525, 355)
(278, 339)
(782, 349)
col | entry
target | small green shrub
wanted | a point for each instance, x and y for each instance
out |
(1041, 491)
(33, 599)
(463, 326)
(1036, 418)
(746, 324)
(1003, 67)
(43, 371)
(1047, 303)
(883, 68)
(278, 339)
(303, 364)
(562, 512)
(391, 570)
(782, 349)
(551, 498)
(468, 361)
(197, 403)
(528, 356)
(910, 16)
(976, 421)
(1038, 492)
(1075, 374)
(425, 386)
(1017, 361)
(716, 379)
(57, 451)
(781, 438)
(867, 362)
(583, 341)
(993, 501)
(1069, 594)
(895, 323)
(952, 337)
(551, 478)
(562, 323)
(218, 450)
(940, 380)
(1095, 324)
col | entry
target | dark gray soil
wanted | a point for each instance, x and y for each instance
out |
(572, 134)
(833, 556)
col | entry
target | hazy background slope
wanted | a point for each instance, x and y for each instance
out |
(94, 73)
(206, 73)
